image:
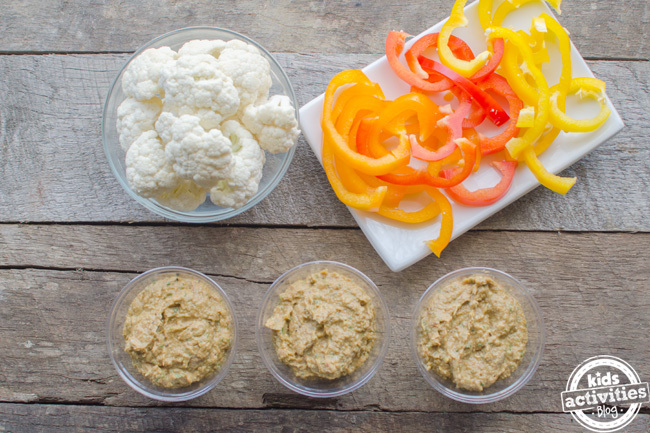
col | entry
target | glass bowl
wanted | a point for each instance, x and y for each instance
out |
(536, 339)
(276, 164)
(122, 360)
(322, 387)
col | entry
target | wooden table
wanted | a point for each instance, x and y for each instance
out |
(71, 238)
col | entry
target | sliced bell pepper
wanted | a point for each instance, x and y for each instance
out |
(457, 46)
(493, 110)
(512, 71)
(517, 144)
(446, 224)
(430, 175)
(369, 200)
(587, 86)
(367, 88)
(485, 196)
(559, 184)
(496, 47)
(564, 44)
(499, 85)
(355, 107)
(410, 104)
(485, 13)
(399, 157)
(390, 209)
(511, 5)
(466, 68)
(394, 47)
(453, 123)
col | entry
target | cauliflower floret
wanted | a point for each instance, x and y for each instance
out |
(204, 157)
(147, 169)
(250, 72)
(238, 44)
(202, 46)
(135, 117)
(246, 172)
(141, 78)
(273, 123)
(195, 82)
(186, 196)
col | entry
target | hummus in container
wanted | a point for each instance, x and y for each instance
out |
(178, 330)
(324, 326)
(472, 332)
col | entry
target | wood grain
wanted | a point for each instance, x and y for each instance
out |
(20, 418)
(601, 29)
(60, 281)
(54, 168)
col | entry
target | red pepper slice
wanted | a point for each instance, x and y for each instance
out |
(484, 196)
(410, 176)
(494, 111)
(460, 49)
(476, 114)
(422, 153)
(499, 85)
(457, 46)
(394, 47)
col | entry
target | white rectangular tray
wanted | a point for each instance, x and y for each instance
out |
(399, 244)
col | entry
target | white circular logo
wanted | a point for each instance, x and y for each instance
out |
(598, 388)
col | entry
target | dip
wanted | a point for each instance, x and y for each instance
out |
(472, 332)
(178, 330)
(324, 326)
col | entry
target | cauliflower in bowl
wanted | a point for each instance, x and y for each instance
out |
(198, 121)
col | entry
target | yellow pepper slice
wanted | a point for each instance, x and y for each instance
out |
(466, 68)
(422, 106)
(588, 87)
(390, 210)
(516, 145)
(565, 49)
(355, 107)
(399, 157)
(546, 140)
(446, 225)
(510, 5)
(363, 88)
(515, 75)
(389, 206)
(552, 26)
(368, 199)
(561, 185)
(485, 13)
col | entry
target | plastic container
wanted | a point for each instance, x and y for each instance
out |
(322, 387)
(122, 360)
(276, 164)
(536, 339)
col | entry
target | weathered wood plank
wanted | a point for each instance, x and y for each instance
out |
(54, 168)
(19, 418)
(600, 29)
(592, 292)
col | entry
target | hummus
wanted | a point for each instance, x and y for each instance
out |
(178, 331)
(472, 332)
(324, 326)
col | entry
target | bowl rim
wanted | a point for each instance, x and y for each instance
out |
(310, 391)
(537, 345)
(189, 216)
(133, 382)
